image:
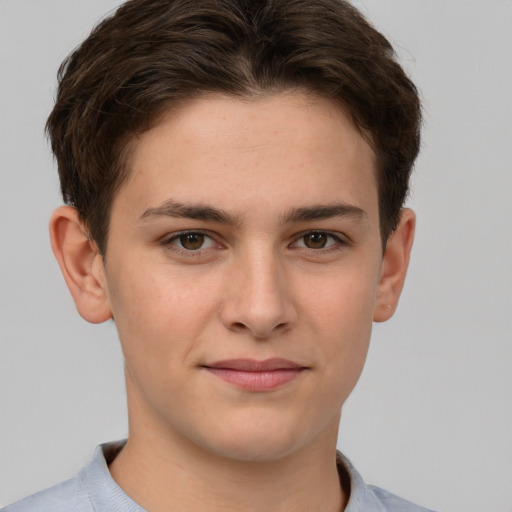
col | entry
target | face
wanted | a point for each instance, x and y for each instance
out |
(242, 270)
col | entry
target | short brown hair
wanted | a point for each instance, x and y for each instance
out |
(151, 55)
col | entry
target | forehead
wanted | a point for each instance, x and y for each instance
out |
(262, 152)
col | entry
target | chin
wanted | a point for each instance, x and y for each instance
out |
(257, 441)
(255, 450)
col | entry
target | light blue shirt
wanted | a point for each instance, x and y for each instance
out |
(94, 490)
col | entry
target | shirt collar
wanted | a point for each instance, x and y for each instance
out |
(361, 498)
(102, 489)
(105, 494)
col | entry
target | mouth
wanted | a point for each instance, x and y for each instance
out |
(253, 375)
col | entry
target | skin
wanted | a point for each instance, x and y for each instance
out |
(256, 278)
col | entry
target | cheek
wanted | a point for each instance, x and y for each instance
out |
(340, 320)
(343, 301)
(159, 316)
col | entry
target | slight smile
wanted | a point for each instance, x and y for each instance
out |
(254, 375)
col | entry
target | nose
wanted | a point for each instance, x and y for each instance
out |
(259, 296)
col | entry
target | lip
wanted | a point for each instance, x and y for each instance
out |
(254, 375)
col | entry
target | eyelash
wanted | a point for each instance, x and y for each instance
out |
(168, 243)
(337, 242)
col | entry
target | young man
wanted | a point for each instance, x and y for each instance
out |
(234, 174)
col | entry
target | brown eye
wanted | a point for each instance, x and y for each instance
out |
(315, 240)
(192, 241)
(318, 240)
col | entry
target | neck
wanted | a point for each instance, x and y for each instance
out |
(163, 470)
(162, 478)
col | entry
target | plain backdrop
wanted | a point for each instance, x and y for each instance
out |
(431, 418)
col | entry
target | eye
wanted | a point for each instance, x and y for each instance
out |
(317, 240)
(191, 241)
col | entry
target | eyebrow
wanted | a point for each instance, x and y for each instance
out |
(198, 211)
(320, 212)
(203, 212)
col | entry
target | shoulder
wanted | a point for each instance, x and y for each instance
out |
(64, 497)
(92, 489)
(369, 498)
(393, 503)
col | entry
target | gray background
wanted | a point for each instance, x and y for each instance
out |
(431, 418)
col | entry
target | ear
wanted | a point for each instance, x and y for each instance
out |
(81, 265)
(394, 266)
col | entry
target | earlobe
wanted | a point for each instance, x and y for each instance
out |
(395, 262)
(81, 265)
